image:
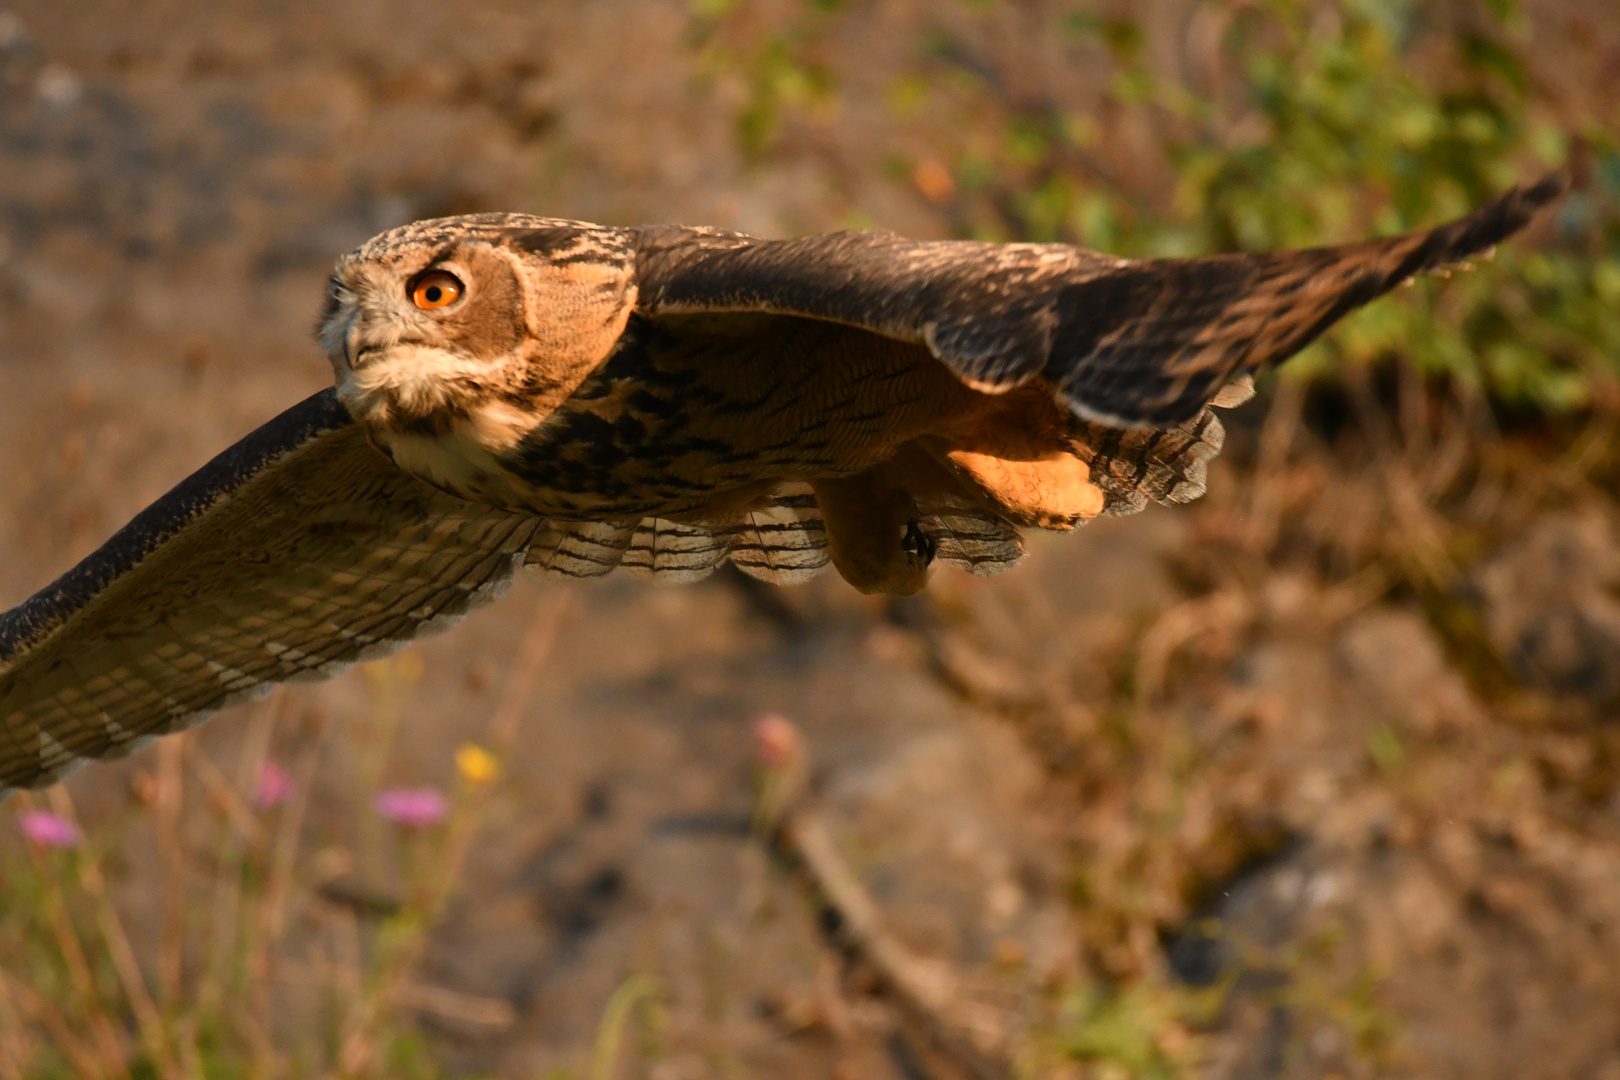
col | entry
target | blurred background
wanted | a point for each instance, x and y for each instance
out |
(1318, 777)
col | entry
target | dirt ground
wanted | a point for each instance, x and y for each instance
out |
(1160, 755)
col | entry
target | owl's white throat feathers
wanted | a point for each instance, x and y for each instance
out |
(424, 406)
(434, 411)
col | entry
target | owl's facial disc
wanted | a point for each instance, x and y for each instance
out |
(452, 339)
(425, 332)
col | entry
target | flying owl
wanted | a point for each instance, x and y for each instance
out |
(522, 391)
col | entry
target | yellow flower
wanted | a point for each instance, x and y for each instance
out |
(476, 765)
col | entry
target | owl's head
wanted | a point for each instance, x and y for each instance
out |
(437, 323)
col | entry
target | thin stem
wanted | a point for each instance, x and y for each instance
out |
(16, 1041)
(500, 732)
(103, 1034)
(167, 811)
(82, 1057)
(148, 1020)
(266, 929)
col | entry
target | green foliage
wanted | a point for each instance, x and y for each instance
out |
(780, 70)
(82, 995)
(1353, 142)
(1320, 121)
(68, 1007)
(635, 999)
(1135, 1032)
(252, 975)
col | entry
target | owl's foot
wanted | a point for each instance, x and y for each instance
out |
(873, 535)
(917, 545)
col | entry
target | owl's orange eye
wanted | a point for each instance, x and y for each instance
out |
(435, 290)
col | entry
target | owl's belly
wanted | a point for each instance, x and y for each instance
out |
(581, 469)
(586, 470)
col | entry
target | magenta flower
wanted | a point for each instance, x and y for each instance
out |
(415, 807)
(275, 786)
(47, 830)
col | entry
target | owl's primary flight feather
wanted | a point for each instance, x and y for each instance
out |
(515, 390)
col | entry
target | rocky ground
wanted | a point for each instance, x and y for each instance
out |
(1281, 821)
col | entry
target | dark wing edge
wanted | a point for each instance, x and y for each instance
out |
(289, 557)
(1126, 343)
(36, 617)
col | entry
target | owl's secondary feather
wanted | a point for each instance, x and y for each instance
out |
(663, 400)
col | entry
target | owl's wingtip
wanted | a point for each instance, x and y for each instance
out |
(1548, 188)
(1514, 209)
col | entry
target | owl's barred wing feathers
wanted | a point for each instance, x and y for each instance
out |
(1131, 343)
(292, 555)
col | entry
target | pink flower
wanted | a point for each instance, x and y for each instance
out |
(411, 806)
(275, 786)
(47, 830)
(777, 742)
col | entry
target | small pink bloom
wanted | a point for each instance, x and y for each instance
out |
(275, 786)
(411, 806)
(47, 830)
(777, 742)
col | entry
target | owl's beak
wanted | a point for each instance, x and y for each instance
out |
(337, 335)
(352, 351)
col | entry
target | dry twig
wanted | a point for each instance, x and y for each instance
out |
(977, 1036)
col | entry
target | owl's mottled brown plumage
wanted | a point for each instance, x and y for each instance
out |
(664, 399)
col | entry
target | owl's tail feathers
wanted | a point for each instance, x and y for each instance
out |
(579, 549)
(784, 543)
(969, 537)
(671, 553)
(781, 543)
(1166, 465)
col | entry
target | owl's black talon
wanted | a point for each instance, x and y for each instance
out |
(918, 544)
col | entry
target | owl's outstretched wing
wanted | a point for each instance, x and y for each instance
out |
(1129, 343)
(293, 554)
